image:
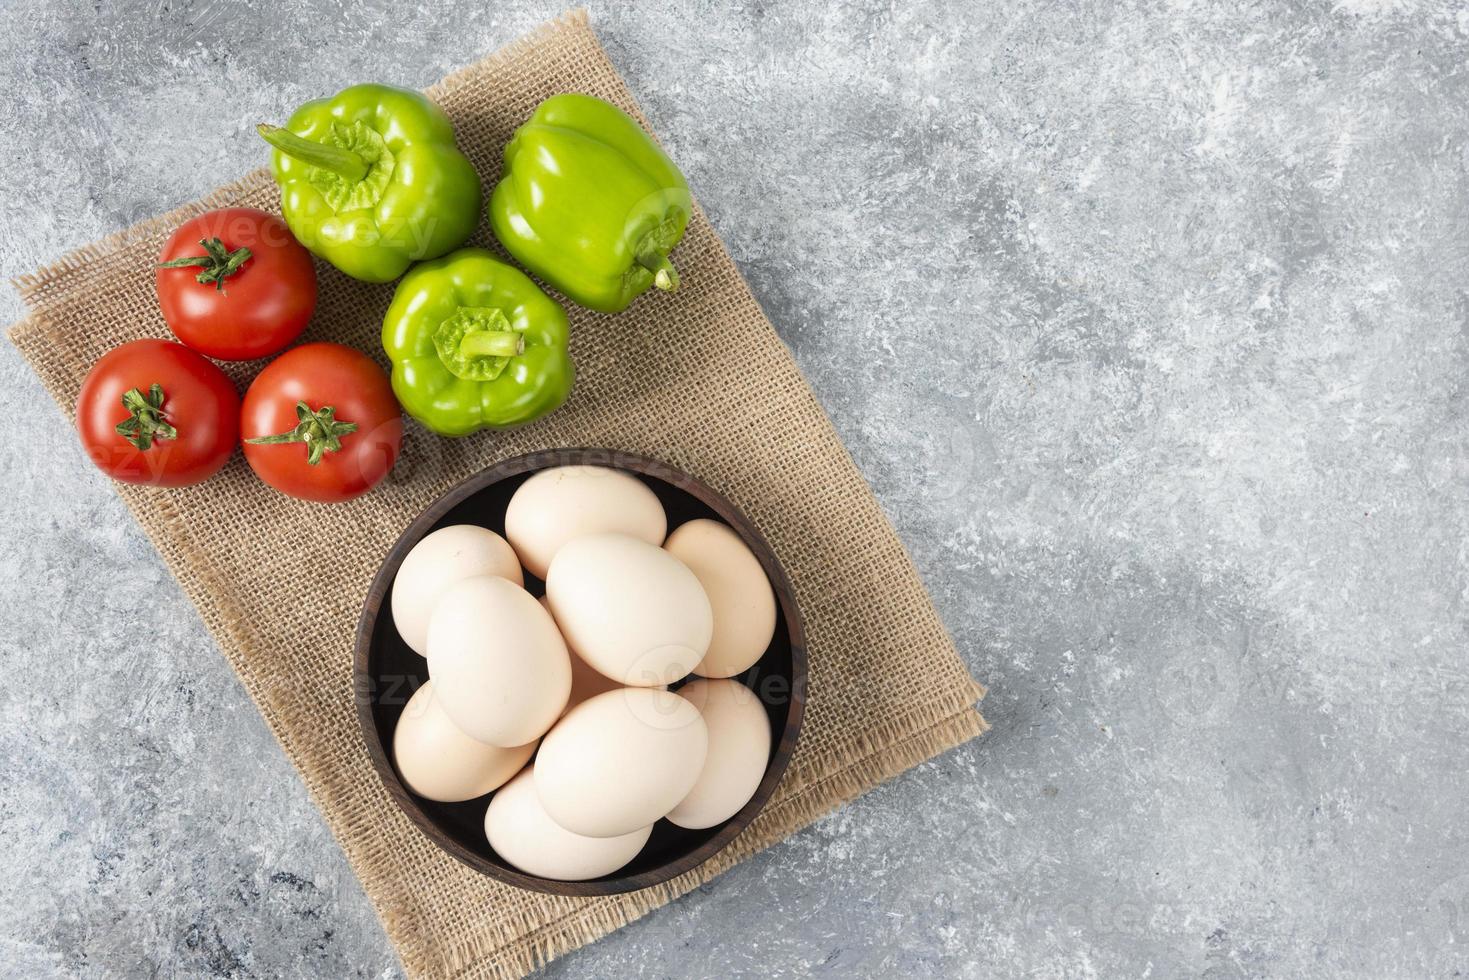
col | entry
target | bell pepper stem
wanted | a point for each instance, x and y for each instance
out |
(334, 158)
(665, 276)
(492, 343)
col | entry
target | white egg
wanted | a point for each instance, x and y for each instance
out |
(586, 681)
(739, 594)
(499, 665)
(739, 750)
(442, 558)
(560, 504)
(521, 832)
(620, 761)
(439, 762)
(629, 608)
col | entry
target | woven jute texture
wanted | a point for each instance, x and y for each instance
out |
(698, 378)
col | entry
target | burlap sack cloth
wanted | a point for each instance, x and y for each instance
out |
(699, 379)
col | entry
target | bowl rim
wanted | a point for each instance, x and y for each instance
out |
(379, 591)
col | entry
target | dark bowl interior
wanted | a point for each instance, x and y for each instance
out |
(387, 672)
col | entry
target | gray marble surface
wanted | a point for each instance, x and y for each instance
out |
(1147, 322)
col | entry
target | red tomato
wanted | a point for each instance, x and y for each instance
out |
(153, 411)
(233, 304)
(295, 421)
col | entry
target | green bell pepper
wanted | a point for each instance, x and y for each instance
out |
(475, 344)
(590, 203)
(371, 180)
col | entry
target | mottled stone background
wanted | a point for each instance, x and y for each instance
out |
(1147, 323)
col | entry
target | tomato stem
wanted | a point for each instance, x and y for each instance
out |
(320, 430)
(218, 262)
(145, 421)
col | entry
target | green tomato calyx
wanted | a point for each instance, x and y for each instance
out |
(319, 430)
(218, 262)
(145, 421)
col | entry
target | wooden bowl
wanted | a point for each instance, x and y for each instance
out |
(386, 672)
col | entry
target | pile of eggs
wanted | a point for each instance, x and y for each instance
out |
(603, 707)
